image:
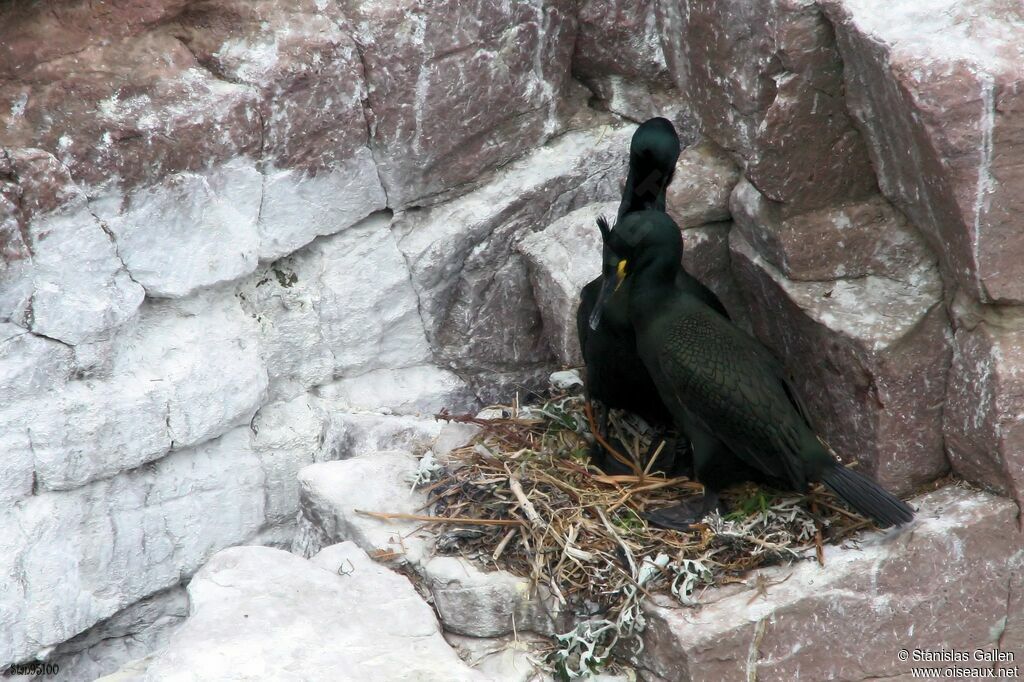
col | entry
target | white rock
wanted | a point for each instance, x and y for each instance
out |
(331, 492)
(562, 258)
(260, 613)
(130, 634)
(183, 372)
(190, 230)
(420, 390)
(70, 559)
(287, 437)
(453, 435)
(298, 207)
(508, 659)
(30, 364)
(79, 287)
(566, 379)
(342, 306)
(480, 603)
(351, 434)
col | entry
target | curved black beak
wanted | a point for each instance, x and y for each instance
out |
(608, 287)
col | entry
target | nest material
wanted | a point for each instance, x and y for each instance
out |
(531, 503)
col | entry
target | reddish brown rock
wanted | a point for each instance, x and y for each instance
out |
(938, 90)
(867, 237)
(766, 82)
(456, 89)
(618, 56)
(700, 188)
(870, 357)
(301, 58)
(129, 111)
(943, 583)
(619, 37)
(984, 413)
(30, 36)
(706, 257)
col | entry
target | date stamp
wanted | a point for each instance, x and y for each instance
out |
(33, 669)
(959, 664)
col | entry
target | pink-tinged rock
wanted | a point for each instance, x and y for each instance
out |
(706, 258)
(34, 33)
(474, 291)
(61, 276)
(700, 188)
(127, 112)
(456, 88)
(766, 82)
(984, 413)
(870, 357)
(300, 57)
(618, 56)
(866, 237)
(938, 90)
(942, 583)
(619, 37)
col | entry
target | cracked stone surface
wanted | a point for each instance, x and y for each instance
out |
(342, 306)
(180, 373)
(870, 356)
(699, 191)
(331, 492)
(456, 89)
(320, 175)
(61, 276)
(857, 239)
(77, 557)
(130, 634)
(936, 87)
(885, 594)
(473, 288)
(261, 613)
(765, 81)
(984, 401)
(562, 258)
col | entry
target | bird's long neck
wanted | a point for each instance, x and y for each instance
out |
(646, 186)
(653, 283)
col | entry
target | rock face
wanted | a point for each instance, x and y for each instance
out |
(816, 623)
(52, 244)
(562, 259)
(494, 72)
(334, 493)
(473, 288)
(261, 613)
(983, 406)
(130, 634)
(766, 83)
(243, 239)
(107, 544)
(936, 88)
(852, 240)
(881, 349)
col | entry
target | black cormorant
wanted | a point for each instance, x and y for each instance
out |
(725, 391)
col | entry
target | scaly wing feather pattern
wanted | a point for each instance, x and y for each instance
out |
(713, 373)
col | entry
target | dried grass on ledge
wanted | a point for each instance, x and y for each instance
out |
(580, 533)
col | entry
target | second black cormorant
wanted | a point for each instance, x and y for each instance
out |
(615, 375)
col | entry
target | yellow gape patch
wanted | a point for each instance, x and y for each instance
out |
(620, 271)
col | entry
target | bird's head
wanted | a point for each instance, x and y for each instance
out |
(639, 241)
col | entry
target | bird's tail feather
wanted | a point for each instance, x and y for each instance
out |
(867, 497)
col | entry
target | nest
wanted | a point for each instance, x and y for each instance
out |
(524, 497)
